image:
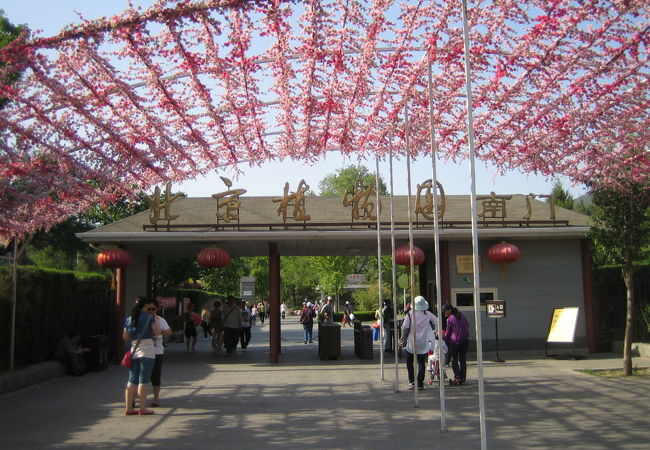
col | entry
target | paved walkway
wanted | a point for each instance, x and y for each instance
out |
(245, 402)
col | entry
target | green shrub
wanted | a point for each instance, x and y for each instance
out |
(51, 303)
(363, 316)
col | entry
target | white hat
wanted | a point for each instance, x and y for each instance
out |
(421, 304)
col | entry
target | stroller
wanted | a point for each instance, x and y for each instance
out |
(433, 364)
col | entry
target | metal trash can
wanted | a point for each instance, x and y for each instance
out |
(97, 358)
(329, 341)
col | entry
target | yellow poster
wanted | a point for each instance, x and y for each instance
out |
(563, 325)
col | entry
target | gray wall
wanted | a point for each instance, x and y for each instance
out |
(136, 279)
(548, 275)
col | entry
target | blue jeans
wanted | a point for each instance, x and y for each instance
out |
(140, 372)
(307, 329)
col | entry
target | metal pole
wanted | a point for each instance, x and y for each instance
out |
(496, 336)
(393, 267)
(379, 282)
(14, 295)
(436, 246)
(477, 290)
(411, 252)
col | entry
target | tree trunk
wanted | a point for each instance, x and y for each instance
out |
(628, 276)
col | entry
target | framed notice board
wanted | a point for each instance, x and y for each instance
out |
(562, 328)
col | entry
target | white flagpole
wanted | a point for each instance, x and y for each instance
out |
(436, 248)
(477, 290)
(393, 267)
(14, 295)
(379, 282)
(411, 252)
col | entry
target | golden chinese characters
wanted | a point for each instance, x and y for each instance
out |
(425, 206)
(363, 205)
(494, 206)
(228, 200)
(156, 205)
(295, 199)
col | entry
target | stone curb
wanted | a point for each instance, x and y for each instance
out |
(37, 373)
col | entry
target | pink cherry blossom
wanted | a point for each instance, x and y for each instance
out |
(115, 105)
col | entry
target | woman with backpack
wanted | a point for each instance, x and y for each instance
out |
(307, 320)
(425, 324)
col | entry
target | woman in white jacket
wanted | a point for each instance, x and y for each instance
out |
(425, 324)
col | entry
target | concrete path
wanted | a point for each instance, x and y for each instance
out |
(243, 402)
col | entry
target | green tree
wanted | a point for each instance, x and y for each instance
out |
(8, 33)
(225, 280)
(104, 214)
(621, 224)
(562, 197)
(344, 181)
(172, 272)
(299, 280)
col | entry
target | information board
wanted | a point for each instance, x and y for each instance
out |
(495, 309)
(465, 264)
(563, 325)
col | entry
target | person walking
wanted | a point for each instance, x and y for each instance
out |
(328, 312)
(158, 343)
(216, 326)
(388, 316)
(140, 328)
(457, 340)
(307, 320)
(189, 328)
(205, 317)
(245, 334)
(346, 315)
(254, 313)
(425, 323)
(232, 324)
(261, 310)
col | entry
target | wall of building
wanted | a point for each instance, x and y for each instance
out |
(548, 275)
(136, 278)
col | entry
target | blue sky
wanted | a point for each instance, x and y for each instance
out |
(49, 16)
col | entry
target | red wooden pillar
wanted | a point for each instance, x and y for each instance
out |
(590, 312)
(274, 302)
(120, 301)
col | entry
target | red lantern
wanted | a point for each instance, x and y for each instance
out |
(213, 257)
(115, 258)
(503, 254)
(403, 255)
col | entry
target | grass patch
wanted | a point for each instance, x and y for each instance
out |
(643, 372)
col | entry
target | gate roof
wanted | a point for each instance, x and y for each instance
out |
(330, 230)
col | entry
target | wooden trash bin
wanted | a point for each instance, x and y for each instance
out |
(329, 341)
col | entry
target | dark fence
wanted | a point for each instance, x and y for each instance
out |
(611, 303)
(50, 304)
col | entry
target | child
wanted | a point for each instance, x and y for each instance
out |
(434, 363)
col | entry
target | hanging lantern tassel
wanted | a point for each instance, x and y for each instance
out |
(503, 254)
(504, 272)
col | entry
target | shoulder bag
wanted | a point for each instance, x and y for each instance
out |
(127, 359)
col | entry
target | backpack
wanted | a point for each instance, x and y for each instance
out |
(216, 321)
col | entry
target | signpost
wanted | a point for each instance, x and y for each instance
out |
(496, 309)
